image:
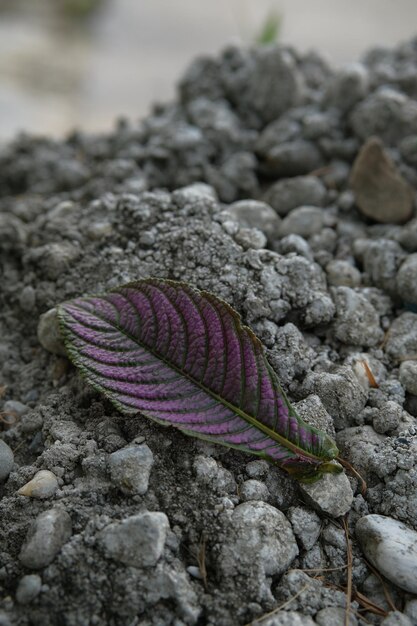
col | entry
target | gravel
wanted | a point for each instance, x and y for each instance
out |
(287, 189)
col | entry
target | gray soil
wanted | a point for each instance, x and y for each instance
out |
(244, 186)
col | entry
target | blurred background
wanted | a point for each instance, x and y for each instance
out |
(82, 63)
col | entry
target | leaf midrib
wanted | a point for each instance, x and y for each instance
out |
(245, 416)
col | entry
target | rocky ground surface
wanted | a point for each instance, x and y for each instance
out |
(288, 190)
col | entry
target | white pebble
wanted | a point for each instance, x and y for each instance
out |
(391, 547)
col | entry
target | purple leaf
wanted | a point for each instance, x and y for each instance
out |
(182, 357)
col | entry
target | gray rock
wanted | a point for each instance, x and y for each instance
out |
(307, 594)
(257, 469)
(382, 259)
(407, 236)
(294, 243)
(401, 341)
(27, 298)
(251, 238)
(253, 490)
(130, 469)
(407, 280)
(408, 376)
(410, 609)
(358, 445)
(356, 322)
(387, 113)
(290, 193)
(306, 526)
(304, 221)
(334, 616)
(397, 619)
(391, 547)
(4, 619)
(260, 539)
(332, 494)
(312, 411)
(342, 274)
(6, 460)
(15, 407)
(348, 86)
(212, 474)
(340, 392)
(49, 333)
(53, 259)
(45, 538)
(28, 588)
(381, 192)
(266, 85)
(286, 618)
(388, 417)
(255, 214)
(137, 540)
(292, 158)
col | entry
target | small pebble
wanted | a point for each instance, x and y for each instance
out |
(43, 485)
(304, 221)
(391, 547)
(334, 616)
(15, 407)
(332, 494)
(397, 619)
(306, 525)
(45, 538)
(408, 376)
(28, 588)
(137, 540)
(27, 299)
(49, 333)
(6, 460)
(407, 280)
(253, 490)
(255, 214)
(130, 469)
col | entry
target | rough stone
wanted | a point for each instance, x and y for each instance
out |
(342, 274)
(407, 280)
(130, 469)
(334, 616)
(356, 322)
(289, 193)
(306, 526)
(382, 259)
(391, 547)
(401, 341)
(137, 540)
(340, 392)
(253, 490)
(260, 540)
(332, 494)
(45, 538)
(381, 192)
(348, 86)
(387, 113)
(397, 619)
(6, 460)
(408, 376)
(293, 158)
(255, 214)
